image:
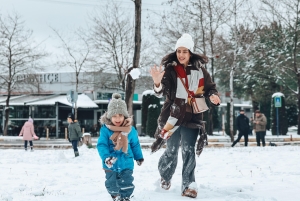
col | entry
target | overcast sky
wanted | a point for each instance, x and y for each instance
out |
(64, 15)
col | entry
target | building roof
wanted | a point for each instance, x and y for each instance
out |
(83, 100)
(3, 98)
(19, 100)
(134, 102)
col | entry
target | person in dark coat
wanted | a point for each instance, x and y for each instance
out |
(75, 133)
(242, 125)
(178, 125)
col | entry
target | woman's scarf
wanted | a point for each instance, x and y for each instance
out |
(119, 137)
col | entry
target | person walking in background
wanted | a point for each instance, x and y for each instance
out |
(177, 124)
(259, 125)
(75, 133)
(28, 134)
(118, 147)
(242, 125)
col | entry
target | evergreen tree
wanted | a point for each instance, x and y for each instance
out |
(152, 116)
(148, 99)
(215, 119)
(283, 120)
(292, 114)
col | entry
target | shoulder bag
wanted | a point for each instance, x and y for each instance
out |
(198, 103)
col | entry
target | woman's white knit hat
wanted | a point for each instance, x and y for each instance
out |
(185, 41)
(116, 106)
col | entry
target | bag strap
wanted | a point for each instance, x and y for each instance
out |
(189, 93)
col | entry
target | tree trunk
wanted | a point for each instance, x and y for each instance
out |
(130, 83)
(231, 104)
(130, 86)
(298, 98)
(77, 82)
(211, 120)
(232, 74)
(7, 110)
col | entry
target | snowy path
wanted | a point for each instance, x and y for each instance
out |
(233, 174)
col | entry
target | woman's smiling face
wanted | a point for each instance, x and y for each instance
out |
(117, 119)
(183, 55)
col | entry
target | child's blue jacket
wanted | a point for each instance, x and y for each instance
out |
(124, 161)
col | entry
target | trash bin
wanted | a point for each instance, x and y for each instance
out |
(87, 139)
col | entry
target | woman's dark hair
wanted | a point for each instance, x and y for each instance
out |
(194, 58)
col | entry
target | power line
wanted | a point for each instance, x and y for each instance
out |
(93, 3)
(64, 2)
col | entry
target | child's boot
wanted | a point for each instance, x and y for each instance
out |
(125, 199)
(76, 153)
(115, 197)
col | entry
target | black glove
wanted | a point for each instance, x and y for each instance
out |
(140, 161)
(69, 139)
(80, 139)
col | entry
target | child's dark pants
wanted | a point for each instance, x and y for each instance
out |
(119, 183)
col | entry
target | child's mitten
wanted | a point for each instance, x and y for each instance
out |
(140, 161)
(110, 161)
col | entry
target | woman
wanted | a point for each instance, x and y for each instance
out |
(28, 134)
(176, 122)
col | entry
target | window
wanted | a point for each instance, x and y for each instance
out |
(107, 96)
(43, 112)
(19, 112)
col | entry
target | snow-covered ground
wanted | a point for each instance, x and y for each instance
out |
(235, 174)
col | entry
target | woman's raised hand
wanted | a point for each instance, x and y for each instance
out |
(157, 74)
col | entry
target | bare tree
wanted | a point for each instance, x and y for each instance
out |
(235, 10)
(173, 24)
(77, 55)
(19, 54)
(28, 83)
(200, 18)
(210, 15)
(111, 35)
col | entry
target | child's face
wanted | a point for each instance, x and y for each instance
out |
(117, 119)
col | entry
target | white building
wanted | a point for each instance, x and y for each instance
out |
(46, 101)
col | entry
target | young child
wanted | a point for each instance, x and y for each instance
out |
(118, 147)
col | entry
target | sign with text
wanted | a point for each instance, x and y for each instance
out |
(40, 78)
